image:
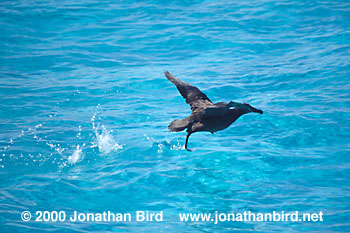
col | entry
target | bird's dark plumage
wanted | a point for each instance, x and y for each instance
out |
(194, 97)
(205, 116)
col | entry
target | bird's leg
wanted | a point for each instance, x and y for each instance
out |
(188, 135)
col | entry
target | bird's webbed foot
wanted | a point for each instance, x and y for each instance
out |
(188, 135)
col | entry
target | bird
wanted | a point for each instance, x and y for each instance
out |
(205, 116)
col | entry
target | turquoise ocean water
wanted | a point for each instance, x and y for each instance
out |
(84, 110)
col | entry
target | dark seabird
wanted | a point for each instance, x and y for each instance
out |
(205, 116)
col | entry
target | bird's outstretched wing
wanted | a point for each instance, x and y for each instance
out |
(194, 97)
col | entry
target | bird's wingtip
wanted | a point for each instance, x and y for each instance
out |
(167, 74)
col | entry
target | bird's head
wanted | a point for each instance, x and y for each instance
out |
(245, 108)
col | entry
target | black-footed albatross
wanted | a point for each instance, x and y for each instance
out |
(205, 116)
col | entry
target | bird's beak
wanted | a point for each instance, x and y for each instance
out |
(256, 110)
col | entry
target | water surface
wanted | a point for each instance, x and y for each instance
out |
(84, 109)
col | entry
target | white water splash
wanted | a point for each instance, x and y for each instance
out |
(165, 144)
(105, 140)
(29, 131)
(76, 156)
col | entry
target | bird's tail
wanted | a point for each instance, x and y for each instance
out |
(178, 125)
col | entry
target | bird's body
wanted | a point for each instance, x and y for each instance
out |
(205, 116)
